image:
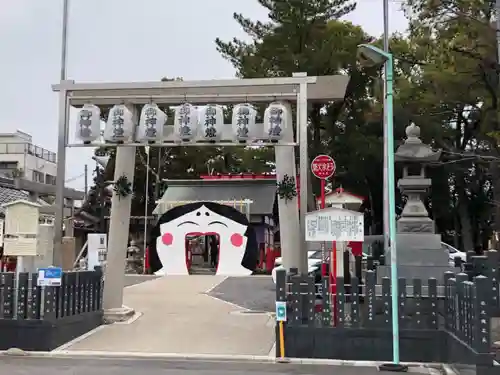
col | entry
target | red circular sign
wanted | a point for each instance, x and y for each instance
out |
(323, 166)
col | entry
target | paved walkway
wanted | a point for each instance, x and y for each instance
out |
(178, 317)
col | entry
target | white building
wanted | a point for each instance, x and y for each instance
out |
(19, 157)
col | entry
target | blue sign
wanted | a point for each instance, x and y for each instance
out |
(280, 311)
(51, 276)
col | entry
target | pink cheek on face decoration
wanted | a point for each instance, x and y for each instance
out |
(167, 239)
(237, 240)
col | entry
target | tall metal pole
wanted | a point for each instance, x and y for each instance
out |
(61, 146)
(391, 186)
(146, 203)
(385, 179)
(64, 39)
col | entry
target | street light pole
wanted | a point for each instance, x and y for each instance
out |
(370, 55)
(391, 186)
(385, 203)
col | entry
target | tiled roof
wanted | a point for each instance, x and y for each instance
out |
(262, 192)
(8, 195)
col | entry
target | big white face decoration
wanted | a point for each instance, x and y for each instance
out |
(237, 243)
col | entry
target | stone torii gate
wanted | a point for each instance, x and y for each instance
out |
(299, 89)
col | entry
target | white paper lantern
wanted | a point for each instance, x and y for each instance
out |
(151, 124)
(120, 125)
(88, 125)
(243, 122)
(211, 122)
(185, 122)
(277, 118)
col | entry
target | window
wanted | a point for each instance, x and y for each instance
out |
(50, 180)
(38, 177)
(8, 165)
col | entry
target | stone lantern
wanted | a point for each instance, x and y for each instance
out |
(420, 251)
(414, 155)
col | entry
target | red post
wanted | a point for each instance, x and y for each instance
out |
(324, 265)
(333, 283)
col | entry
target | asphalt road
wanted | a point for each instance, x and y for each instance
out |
(256, 293)
(86, 366)
(137, 279)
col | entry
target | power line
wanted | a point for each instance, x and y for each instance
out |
(75, 178)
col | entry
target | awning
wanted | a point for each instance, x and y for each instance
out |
(261, 193)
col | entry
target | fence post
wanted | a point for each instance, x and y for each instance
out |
(340, 313)
(461, 278)
(433, 301)
(493, 268)
(72, 293)
(326, 320)
(370, 297)
(22, 295)
(448, 308)
(296, 306)
(386, 300)
(49, 303)
(7, 285)
(65, 295)
(355, 316)
(34, 298)
(468, 297)
(482, 332)
(401, 301)
(417, 297)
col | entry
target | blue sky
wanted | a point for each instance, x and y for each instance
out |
(120, 40)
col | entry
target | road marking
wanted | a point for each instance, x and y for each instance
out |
(216, 285)
(78, 339)
(272, 352)
(240, 308)
(211, 357)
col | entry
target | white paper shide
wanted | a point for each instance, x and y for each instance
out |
(151, 124)
(120, 124)
(88, 123)
(185, 122)
(243, 122)
(277, 118)
(211, 122)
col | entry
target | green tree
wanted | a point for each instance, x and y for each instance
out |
(309, 37)
(451, 92)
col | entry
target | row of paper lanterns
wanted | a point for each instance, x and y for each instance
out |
(190, 122)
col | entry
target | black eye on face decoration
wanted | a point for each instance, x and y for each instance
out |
(198, 213)
(207, 214)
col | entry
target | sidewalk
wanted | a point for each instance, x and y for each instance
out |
(177, 317)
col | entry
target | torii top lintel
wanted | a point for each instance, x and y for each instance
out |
(319, 89)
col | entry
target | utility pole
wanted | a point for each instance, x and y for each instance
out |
(61, 147)
(86, 176)
(386, 158)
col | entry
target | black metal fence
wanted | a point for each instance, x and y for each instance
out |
(43, 318)
(449, 323)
